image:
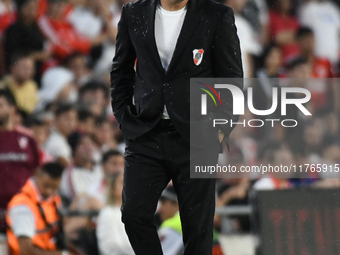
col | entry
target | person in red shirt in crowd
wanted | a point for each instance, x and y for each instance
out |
(18, 159)
(7, 14)
(321, 68)
(282, 27)
(43, 8)
(63, 38)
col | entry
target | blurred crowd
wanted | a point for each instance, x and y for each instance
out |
(55, 60)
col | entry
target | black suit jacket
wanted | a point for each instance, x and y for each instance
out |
(138, 96)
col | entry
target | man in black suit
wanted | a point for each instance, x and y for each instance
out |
(173, 41)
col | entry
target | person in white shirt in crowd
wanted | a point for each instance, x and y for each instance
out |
(92, 19)
(256, 12)
(248, 41)
(65, 123)
(56, 87)
(112, 163)
(170, 231)
(97, 20)
(97, 191)
(111, 236)
(323, 17)
(74, 183)
(84, 171)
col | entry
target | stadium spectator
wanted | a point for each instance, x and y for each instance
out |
(323, 17)
(245, 143)
(20, 81)
(25, 35)
(111, 236)
(78, 64)
(299, 68)
(313, 136)
(282, 27)
(19, 155)
(331, 151)
(93, 20)
(299, 71)
(233, 192)
(321, 68)
(95, 95)
(7, 14)
(65, 124)
(267, 79)
(86, 122)
(80, 229)
(112, 163)
(170, 231)
(250, 45)
(256, 12)
(41, 133)
(272, 63)
(33, 215)
(279, 155)
(329, 156)
(84, 171)
(57, 87)
(332, 124)
(104, 135)
(75, 181)
(61, 35)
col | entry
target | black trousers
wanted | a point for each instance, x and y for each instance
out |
(151, 161)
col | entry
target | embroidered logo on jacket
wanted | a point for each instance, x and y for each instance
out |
(198, 56)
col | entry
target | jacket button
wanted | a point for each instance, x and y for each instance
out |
(165, 84)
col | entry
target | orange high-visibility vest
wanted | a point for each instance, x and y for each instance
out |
(44, 235)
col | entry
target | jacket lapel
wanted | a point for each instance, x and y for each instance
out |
(150, 35)
(190, 23)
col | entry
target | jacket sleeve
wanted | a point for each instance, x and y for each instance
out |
(122, 73)
(227, 63)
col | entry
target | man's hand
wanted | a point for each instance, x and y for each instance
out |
(220, 135)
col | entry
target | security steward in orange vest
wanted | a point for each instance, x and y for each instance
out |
(33, 217)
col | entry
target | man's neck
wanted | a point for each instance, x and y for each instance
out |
(173, 5)
(119, 202)
(17, 82)
(309, 56)
(27, 22)
(271, 70)
(8, 126)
